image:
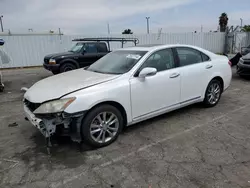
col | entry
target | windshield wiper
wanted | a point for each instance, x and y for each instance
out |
(94, 71)
(103, 72)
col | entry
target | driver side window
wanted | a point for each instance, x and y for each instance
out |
(90, 48)
(161, 60)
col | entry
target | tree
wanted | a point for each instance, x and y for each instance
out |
(127, 31)
(223, 21)
(246, 28)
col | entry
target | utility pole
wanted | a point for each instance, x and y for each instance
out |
(108, 28)
(59, 30)
(241, 21)
(147, 24)
(1, 22)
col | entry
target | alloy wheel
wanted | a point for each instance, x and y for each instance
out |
(214, 92)
(104, 127)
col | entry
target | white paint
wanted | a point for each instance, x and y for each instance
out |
(56, 86)
(143, 148)
(150, 92)
(142, 98)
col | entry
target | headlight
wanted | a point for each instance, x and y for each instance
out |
(54, 106)
(52, 61)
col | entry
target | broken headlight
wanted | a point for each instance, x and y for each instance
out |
(55, 106)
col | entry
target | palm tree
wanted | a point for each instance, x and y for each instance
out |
(127, 31)
(246, 28)
(223, 21)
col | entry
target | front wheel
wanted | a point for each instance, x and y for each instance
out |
(102, 126)
(67, 67)
(213, 93)
(1, 88)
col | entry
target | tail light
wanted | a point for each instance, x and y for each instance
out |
(230, 63)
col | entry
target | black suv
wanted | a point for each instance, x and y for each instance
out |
(85, 52)
(81, 55)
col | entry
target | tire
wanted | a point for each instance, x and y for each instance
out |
(208, 101)
(67, 67)
(55, 72)
(1, 88)
(245, 77)
(92, 122)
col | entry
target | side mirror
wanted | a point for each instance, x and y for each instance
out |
(148, 71)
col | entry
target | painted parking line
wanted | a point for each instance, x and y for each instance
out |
(143, 148)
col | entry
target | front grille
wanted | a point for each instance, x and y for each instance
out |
(247, 62)
(31, 106)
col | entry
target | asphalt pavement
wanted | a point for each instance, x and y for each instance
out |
(193, 147)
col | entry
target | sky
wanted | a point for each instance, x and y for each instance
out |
(92, 16)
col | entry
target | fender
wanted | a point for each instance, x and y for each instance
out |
(214, 75)
(70, 61)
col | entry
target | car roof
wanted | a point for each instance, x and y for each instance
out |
(84, 42)
(150, 47)
(153, 47)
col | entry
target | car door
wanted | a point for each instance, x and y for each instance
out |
(89, 54)
(195, 69)
(158, 92)
(102, 49)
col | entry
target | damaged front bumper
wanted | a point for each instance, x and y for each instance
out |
(48, 125)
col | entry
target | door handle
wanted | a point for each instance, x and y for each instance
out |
(174, 75)
(209, 66)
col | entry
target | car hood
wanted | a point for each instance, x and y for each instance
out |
(55, 87)
(67, 54)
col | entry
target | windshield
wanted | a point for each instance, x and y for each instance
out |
(118, 62)
(77, 48)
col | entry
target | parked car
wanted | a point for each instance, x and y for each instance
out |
(85, 52)
(243, 67)
(125, 87)
(244, 51)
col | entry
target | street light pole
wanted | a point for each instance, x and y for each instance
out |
(1, 22)
(241, 20)
(108, 28)
(147, 24)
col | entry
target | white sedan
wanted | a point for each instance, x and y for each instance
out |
(123, 88)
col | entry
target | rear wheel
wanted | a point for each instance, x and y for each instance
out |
(67, 67)
(102, 126)
(213, 93)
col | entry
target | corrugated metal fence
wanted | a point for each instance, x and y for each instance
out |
(242, 39)
(30, 50)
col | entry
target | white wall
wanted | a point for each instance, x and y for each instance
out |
(30, 50)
